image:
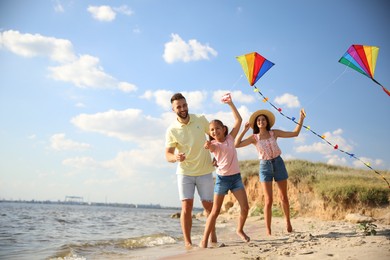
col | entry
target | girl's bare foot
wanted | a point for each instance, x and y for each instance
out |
(243, 236)
(203, 244)
(213, 237)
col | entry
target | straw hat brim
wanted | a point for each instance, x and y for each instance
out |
(267, 113)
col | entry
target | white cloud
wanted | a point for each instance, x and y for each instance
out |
(162, 98)
(301, 138)
(179, 50)
(146, 159)
(86, 72)
(102, 13)
(127, 87)
(126, 125)
(59, 142)
(82, 163)
(124, 9)
(80, 104)
(148, 95)
(289, 100)
(237, 96)
(369, 162)
(195, 99)
(336, 160)
(322, 147)
(32, 136)
(32, 45)
(58, 7)
(107, 13)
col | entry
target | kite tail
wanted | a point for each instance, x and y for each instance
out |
(336, 147)
(384, 89)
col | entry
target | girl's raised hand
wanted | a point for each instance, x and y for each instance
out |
(303, 113)
(247, 126)
(227, 98)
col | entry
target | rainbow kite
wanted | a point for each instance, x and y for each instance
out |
(362, 58)
(254, 66)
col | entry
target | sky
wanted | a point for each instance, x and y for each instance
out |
(85, 88)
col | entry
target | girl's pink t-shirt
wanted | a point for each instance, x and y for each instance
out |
(226, 155)
(267, 148)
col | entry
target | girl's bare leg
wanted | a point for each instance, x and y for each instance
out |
(211, 220)
(244, 208)
(282, 185)
(268, 197)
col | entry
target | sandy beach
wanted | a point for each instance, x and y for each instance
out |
(311, 239)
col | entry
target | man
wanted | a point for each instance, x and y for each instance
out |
(187, 135)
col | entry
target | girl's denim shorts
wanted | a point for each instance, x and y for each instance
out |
(225, 183)
(273, 169)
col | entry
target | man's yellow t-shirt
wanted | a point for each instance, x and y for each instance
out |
(189, 139)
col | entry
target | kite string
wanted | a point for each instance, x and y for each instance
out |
(235, 84)
(325, 88)
(336, 147)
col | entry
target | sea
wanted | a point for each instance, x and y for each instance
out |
(66, 231)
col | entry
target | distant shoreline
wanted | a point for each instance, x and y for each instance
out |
(108, 204)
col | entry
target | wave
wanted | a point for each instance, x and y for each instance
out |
(83, 250)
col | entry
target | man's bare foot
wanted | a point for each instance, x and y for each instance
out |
(243, 236)
(188, 246)
(269, 232)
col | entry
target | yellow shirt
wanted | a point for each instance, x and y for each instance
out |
(189, 139)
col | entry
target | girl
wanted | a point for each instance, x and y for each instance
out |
(271, 164)
(221, 145)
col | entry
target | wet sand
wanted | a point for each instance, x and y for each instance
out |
(311, 239)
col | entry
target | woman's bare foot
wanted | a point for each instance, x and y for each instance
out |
(289, 228)
(269, 232)
(243, 236)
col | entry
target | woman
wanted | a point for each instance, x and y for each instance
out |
(272, 166)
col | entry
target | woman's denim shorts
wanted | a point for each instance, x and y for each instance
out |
(225, 183)
(273, 169)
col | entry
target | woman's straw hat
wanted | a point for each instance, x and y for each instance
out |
(268, 114)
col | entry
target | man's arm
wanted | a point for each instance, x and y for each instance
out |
(172, 157)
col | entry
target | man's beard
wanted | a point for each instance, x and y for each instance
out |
(180, 114)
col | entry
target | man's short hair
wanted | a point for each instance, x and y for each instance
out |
(177, 96)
